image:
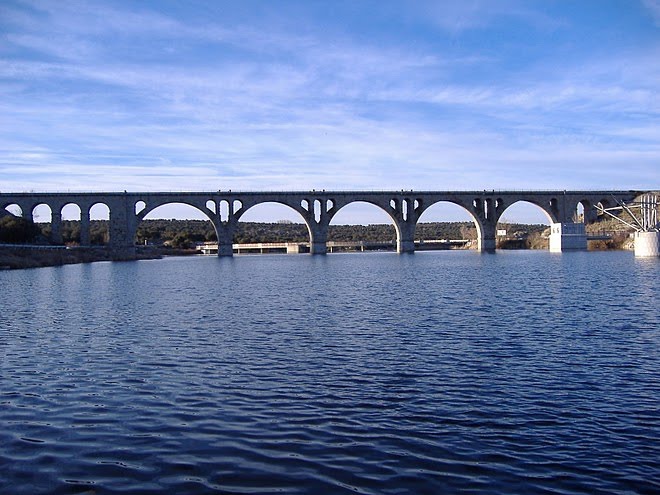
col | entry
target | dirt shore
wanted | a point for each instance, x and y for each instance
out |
(13, 257)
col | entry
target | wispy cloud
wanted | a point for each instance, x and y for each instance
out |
(96, 94)
(653, 7)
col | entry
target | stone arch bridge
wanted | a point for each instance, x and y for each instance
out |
(317, 208)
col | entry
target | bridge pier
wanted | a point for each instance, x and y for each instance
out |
(487, 239)
(225, 240)
(318, 248)
(122, 225)
(647, 244)
(225, 233)
(318, 242)
(486, 244)
(567, 236)
(406, 245)
(56, 227)
(85, 238)
(123, 253)
(405, 221)
(225, 249)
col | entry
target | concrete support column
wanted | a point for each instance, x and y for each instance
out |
(226, 238)
(122, 229)
(405, 242)
(567, 236)
(56, 227)
(487, 241)
(647, 244)
(319, 238)
(85, 239)
(405, 246)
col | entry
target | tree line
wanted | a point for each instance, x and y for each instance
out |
(186, 233)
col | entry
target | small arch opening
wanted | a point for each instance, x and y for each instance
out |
(211, 205)
(578, 216)
(14, 209)
(42, 213)
(99, 224)
(488, 208)
(42, 217)
(139, 207)
(224, 211)
(71, 215)
(317, 211)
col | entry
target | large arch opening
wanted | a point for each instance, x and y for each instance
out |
(42, 217)
(277, 227)
(361, 226)
(71, 215)
(446, 225)
(176, 226)
(42, 214)
(99, 224)
(523, 225)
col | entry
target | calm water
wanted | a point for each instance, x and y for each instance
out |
(445, 372)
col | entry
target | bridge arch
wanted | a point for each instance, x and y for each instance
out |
(525, 211)
(448, 211)
(99, 211)
(143, 208)
(192, 211)
(42, 213)
(364, 213)
(585, 212)
(13, 208)
(278, 211)
(99, 229)
(549, 208)
(71, 215)
(71, 212)
(520, 213)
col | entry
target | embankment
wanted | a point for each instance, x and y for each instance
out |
(26, 256)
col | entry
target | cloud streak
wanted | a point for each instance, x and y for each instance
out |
(126, 98)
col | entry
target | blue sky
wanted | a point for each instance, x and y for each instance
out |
(284, 95)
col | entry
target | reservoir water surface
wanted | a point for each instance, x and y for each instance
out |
(373, 373)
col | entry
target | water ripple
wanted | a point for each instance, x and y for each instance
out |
(374, 374)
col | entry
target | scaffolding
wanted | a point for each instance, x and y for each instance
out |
(643, 213)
